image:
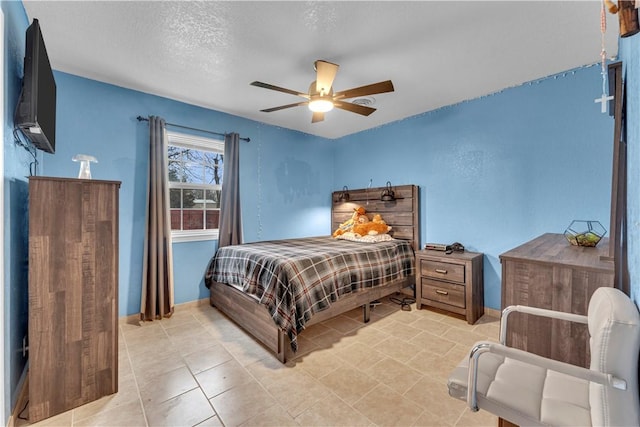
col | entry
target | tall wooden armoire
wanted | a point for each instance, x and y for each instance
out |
(73, 293)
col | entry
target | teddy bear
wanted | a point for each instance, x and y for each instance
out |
(346, 226)
(372, 227)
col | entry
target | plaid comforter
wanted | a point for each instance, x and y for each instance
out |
(296, 278)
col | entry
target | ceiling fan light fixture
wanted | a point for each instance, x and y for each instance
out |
(320, 105)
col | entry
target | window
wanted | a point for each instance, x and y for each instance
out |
(195, 167)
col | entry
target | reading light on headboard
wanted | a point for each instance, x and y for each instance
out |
(344, 196)
(388, 195)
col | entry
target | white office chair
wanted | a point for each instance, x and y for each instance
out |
(530, 390)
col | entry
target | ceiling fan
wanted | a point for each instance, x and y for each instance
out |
(321, 97)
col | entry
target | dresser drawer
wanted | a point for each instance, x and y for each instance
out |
(446, 293)
(442, 270)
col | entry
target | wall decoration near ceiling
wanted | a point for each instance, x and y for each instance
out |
(627, 11)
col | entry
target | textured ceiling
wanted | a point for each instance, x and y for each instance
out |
(207, 52)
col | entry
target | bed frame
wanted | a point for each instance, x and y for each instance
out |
(401, 214)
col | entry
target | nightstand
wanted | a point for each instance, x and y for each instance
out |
(451, 282)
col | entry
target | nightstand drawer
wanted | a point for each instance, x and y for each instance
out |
(446, 293)
(442, 270)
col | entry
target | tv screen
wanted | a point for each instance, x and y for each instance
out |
(36, 111)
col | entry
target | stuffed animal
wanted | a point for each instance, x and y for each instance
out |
(378, 219)
(376, 226)
(346, 226)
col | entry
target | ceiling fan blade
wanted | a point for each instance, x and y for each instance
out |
(317, 117)
(279, 89)
(380, 87)
(282, 107)
(354, 108)
(325, 73)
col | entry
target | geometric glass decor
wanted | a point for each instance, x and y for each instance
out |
(584, 233)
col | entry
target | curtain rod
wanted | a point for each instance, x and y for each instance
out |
(145, 119)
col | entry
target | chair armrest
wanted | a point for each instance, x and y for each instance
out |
(533, 359)
(542, 312)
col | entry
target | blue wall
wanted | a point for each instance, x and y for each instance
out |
(496, 171)
(629, 52)
(16, 168)
(294, 169)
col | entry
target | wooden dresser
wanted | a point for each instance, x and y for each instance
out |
(550, 273)
(451, 282)
(73, 293)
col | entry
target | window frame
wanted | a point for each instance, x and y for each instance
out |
(194, 142)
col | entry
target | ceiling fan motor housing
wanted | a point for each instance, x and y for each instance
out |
(313, 91)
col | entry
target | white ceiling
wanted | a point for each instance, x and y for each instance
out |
(206, 53)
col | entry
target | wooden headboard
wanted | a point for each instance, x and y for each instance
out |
(401, 214)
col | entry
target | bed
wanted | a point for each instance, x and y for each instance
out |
(275, 289)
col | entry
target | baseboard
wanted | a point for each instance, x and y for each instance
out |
(133, 319)
(492, 312)
(193, 304)
(23, 398)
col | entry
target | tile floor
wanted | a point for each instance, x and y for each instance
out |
(199, 368)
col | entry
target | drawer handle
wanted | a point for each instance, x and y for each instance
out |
(441, 271)
(438, 291)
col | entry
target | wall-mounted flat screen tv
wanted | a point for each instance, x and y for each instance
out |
(36, 110)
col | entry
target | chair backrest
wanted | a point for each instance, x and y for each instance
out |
(614, 328)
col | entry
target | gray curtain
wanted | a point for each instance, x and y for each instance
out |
(157, 275)
(230, 227)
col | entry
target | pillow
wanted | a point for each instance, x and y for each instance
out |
(366, 239)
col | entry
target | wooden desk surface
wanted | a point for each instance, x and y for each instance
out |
(552, 248)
